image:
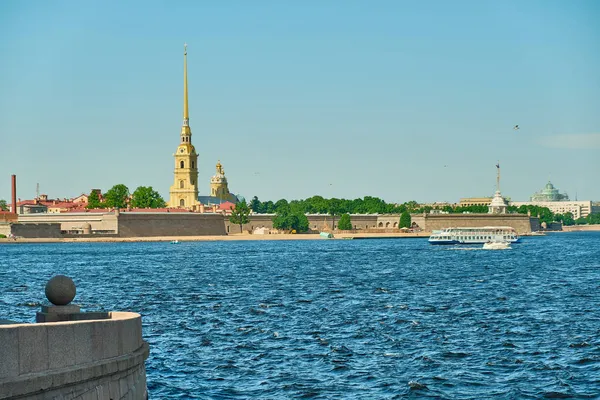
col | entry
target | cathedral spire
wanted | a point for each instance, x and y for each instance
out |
(186, 132)
(186, 115)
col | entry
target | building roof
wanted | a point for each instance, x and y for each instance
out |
(227, 206)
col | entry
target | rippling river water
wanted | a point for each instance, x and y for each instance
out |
(364, 319)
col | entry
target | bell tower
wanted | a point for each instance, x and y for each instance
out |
(184, 192)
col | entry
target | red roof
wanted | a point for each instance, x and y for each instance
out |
(227, 206)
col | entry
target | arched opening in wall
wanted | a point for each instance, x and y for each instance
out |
(182, 203)
(395, 224)
(381, 224)
(181, 164)
(193, 164)
(227, 228)
(181, 183)
(354, 226)
(387, 224)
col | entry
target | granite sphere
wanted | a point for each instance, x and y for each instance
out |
(60, 290)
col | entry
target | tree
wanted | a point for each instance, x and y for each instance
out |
(593, 218)
(281, 220)
(256, 206)
(281, 204)
(581, 221)
(344, 223)
(239, 214)
(3, 206)
(117, 196)
(288, 220)
(146, 197)
(405, 220)
(301, 223)
(94, 200)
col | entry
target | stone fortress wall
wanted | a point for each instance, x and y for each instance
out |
(148, 224)
(522, 223)
(137, 224)
(427, 222)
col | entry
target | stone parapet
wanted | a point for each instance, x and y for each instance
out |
(97, 359)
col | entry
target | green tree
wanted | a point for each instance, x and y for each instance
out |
(268, 207)
(405, 220)
(345, 224)
(256, 206)
(239, 214)
(281, 204)
(581, 221)
(94, 200)
(593, 218)
(282, 220)
(146, 197)
(300, 224)
(3, 206)
(117, 196)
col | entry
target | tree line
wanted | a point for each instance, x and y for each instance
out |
(119, 197)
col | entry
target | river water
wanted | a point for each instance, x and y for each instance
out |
(332, 319)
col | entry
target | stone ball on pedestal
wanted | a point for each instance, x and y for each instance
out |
(60, 290)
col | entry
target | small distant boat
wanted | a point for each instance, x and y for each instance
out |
(326, 235)
(175, 241)
(499, 245)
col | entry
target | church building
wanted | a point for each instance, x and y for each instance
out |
(184, 191)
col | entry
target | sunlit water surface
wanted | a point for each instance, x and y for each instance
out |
(364, 319)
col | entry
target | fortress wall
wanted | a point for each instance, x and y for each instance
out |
(101, 221)
(520, 222)
(36, 230)
(5, 229)
(94, 359)
(316, 222)
(134, 224)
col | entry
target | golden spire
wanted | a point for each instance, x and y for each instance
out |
(186, 132)
(186, 115)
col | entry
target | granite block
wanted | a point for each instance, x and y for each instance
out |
(33, 349)
(82, 343)
(61, 346)
(9, 353)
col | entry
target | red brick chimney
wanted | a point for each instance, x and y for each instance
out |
(14, 194)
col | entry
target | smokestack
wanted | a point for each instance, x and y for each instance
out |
(14, 194)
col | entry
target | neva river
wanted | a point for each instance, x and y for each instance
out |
(332, 319)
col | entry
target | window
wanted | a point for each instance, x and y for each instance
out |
(182, 202)
(193, 164)
(181, 183)
(181, 164)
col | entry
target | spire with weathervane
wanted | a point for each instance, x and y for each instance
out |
(498, 205)
(184, 192)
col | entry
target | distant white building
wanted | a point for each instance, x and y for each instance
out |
(577, 208)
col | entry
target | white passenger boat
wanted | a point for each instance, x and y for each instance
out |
(475, 235)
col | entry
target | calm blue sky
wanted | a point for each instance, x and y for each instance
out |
(405, 100)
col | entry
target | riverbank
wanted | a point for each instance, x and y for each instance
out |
(581, 228)
(209, 238)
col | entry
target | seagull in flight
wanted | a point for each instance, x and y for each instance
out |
(516, 128)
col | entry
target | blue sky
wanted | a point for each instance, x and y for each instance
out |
(404, 100)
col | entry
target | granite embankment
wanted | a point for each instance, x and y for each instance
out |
(69, 354)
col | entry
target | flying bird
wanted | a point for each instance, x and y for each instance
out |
(516, 128)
